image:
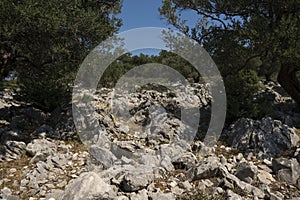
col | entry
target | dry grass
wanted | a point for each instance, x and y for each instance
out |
(227, 154)
(13, 180)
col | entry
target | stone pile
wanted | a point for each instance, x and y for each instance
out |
(139, 152)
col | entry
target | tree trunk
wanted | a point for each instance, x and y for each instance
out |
(288, 80)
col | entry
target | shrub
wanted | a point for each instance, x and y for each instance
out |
(242, 96)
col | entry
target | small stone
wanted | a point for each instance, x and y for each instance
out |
(218, 190)
(177, 191)
(276, 196)
(42, 193)
(227, 184)
(185, 185)
(38, 157)
(267, 162)
(208, 183)
(162, 196)
(232, 196)
(74, 176)
(201, 186)
(75, 156)
(228, 149)
(126, 198)
(13, 170)
(62, 184)
(142, 194)
(239, 157)
(50, 186)
(63, 148)
(265, 177)
(6, 191)
(223, 160)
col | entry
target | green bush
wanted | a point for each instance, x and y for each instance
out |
(46, 91)
(243, 97)
(49, 39)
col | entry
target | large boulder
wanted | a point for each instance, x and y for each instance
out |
(287, 170)
(266, 138)
(246, 171)
(208, 168)
(89, 186)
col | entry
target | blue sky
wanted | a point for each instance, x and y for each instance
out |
(144, 13)
(141, 13)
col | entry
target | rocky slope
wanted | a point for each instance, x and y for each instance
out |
(142, 154)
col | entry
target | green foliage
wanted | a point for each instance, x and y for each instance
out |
(47, 91)
(179, 64)
(127, 62)
(243, 97)
(241, 35)
(122, 65)
(50, 39)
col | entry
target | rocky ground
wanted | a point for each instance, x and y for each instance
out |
(142, 154)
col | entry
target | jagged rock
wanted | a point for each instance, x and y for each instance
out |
(276, 196)
(143, 156)
(217, 192)
(266, 138)
(38, 157)
(287, 170)
(179, 154)
(233, 196)
(177, 190)
(185, 185)
(156, 161)
(89, 186)
(246, 171)
(6, 194)
(207, 183)
(265, 177)
(59, 161)
(161, 196)
(42, 146)
(142, 194)
(12, 150)
(6, 191)
(241, 185)
(208, 168)
(103, 156)
(135, 181)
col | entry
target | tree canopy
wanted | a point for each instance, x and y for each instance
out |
(45, 41)
(259, 35)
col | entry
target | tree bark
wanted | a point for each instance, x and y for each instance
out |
(288, 80)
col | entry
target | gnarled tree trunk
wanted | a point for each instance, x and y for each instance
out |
(288, 80)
